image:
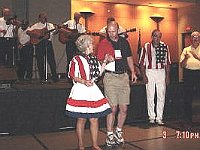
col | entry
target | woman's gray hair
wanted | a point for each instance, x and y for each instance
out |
(83, 41)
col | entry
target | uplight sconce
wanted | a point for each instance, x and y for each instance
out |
(157, 19)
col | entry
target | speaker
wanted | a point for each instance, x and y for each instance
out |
(7, 75)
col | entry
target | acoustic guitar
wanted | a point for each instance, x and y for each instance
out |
(72, 34)
(104, 35)
(41, 35)
(130, 30)
(65, 34)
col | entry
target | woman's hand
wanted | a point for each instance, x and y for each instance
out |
(87, 82)
(110, 58)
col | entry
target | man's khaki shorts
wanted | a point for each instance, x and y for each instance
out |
(116, 88)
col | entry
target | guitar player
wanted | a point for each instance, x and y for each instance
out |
(41, 37)
(75, 27)
(7, 38)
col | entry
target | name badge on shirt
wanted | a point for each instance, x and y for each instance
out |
(118, 54)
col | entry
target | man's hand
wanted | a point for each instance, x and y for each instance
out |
(167, 80)
(133, 77)
(145, 79)
(20, 46)
(3, 31)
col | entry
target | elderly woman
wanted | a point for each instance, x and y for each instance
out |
(86, 101)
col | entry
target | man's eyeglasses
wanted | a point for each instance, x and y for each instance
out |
(195, 36)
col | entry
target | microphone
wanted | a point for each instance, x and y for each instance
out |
(45, 19)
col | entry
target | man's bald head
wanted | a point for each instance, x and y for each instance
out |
(112, 30)
(113, 24)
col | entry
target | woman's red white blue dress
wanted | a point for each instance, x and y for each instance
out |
(83, 101)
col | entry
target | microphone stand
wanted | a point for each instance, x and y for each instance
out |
(35, 71)
(45, 57)
(13, 51)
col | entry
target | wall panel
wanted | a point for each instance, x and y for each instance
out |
(130, 16)
(187, 16)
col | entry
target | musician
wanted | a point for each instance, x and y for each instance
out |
(121, 30)
(41, 37)
(77, 27)
(25, 51)
(7, 38)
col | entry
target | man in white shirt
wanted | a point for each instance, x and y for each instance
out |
(41, 37)
(73, 28)
(190, 61)
(25, 51)
(7, 40)
(155, 66)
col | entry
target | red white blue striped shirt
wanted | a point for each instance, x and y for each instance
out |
(152, 59)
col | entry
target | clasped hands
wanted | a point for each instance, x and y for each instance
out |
(108, 58)
(196, 56)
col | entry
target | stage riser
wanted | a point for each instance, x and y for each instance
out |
(33, 111)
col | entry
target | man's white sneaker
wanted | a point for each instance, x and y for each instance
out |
(118, 137)
(110, 141)
(151, 121)
(160, 122)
